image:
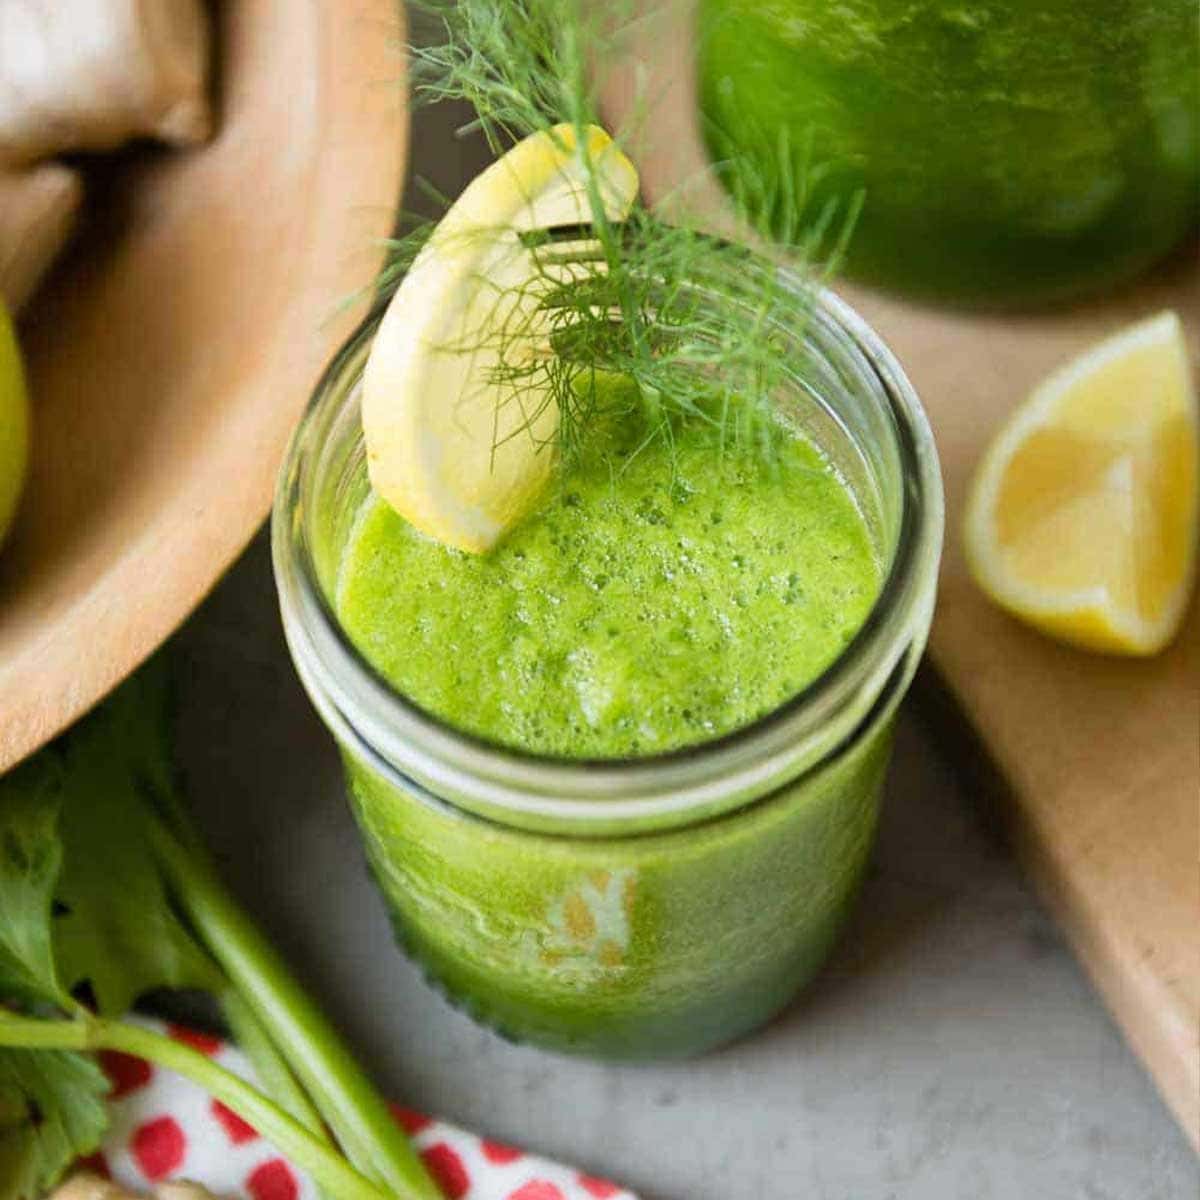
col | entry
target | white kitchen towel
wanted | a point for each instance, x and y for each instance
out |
(164, 1127)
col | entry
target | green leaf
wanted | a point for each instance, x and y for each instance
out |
(120, 933)
(30, 860)
(52, 1111)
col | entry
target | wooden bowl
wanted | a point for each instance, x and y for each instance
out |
(171, 355)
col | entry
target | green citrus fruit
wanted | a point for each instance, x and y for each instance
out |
(14, 423)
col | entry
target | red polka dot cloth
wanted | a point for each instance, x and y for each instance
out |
(164, 1127)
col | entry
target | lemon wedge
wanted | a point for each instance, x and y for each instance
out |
(458, 455)
(1082, 517)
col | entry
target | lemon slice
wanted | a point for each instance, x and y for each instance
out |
(459, 456)
(1082, 517)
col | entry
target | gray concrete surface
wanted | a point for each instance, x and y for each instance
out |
(952, 1050)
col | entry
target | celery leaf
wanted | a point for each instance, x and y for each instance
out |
(119, 932)
(30, 861)
(52, 1111)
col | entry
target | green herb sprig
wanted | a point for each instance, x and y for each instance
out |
(106, 897)
(693, 321)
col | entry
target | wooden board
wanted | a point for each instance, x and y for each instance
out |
(1101, 756)
(172, 354)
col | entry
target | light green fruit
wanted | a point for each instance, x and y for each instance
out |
(14, 423)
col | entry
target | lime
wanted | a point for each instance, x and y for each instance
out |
(14, 423)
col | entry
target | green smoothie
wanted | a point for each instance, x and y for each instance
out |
(652, 946)
(1009, 151)
(661, 596)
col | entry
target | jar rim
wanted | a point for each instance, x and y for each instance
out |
(417, 748)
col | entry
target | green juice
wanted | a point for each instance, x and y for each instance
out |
(618, 778)
(1009, 151)
(657, 599)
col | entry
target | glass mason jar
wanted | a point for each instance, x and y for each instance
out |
(630, 908)
(1009, 151)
